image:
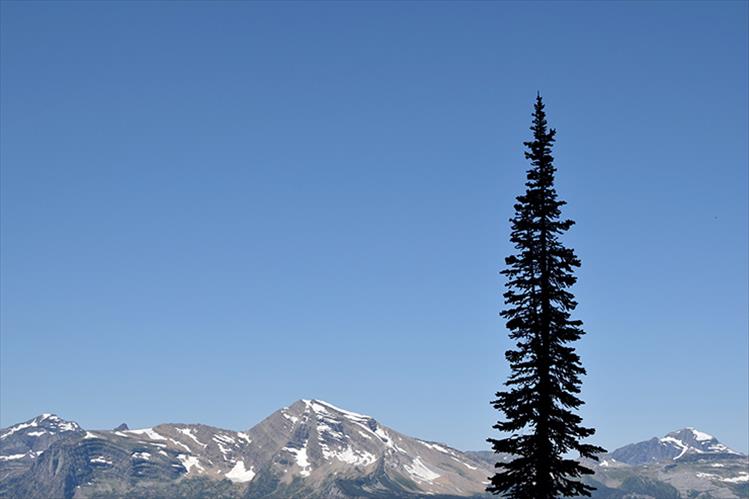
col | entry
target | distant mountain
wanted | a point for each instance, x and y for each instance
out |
(22, 444)
(313, 449)
(685, 444)
(686, 463)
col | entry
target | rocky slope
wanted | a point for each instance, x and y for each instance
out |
(313, 449)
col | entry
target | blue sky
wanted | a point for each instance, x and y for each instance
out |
(210, 210)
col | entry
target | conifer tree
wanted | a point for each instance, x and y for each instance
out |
(542, 390)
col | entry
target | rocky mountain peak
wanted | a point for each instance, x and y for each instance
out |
(23, 442)
(42, 424)
(693, 441)
(683, 444)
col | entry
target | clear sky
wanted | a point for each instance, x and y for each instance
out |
(211, 210)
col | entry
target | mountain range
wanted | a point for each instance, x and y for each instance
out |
(313, 449)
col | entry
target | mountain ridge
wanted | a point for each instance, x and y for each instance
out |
(315, 449)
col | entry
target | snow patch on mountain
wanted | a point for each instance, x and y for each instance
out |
(61, 424)
(300, 455)
(100, 460)
(700, 436)
(351, 456)
(147, 432)
(190, 462)
(239, 474)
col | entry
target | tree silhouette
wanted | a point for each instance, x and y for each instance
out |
(544, 383)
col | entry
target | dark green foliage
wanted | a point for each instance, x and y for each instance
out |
(542, 389)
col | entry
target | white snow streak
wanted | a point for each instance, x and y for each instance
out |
(188, 432)
(435, 447)
(684, 447)
(16, 428)
(743, 477)
(420, 472)
(148, 432)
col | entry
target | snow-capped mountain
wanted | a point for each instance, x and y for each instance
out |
(21, 444)
(313, 449)
(314, 440)
(684, 444)
(309, 449)
(686, 463)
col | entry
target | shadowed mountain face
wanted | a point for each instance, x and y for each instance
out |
(313, 449)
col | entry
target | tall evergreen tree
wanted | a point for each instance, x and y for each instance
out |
(542, 390)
